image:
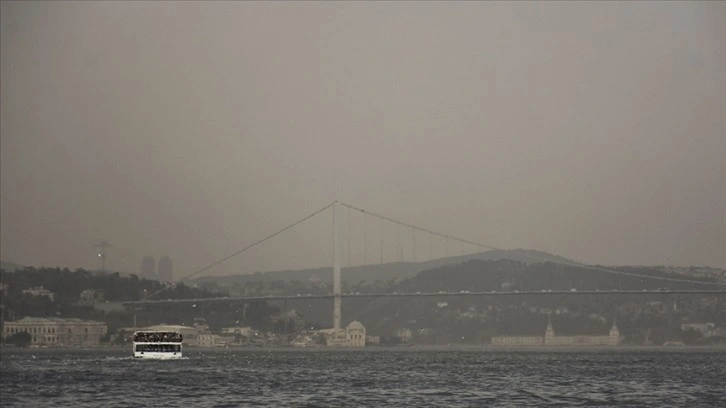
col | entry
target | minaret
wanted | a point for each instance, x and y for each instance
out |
(614, 334)
(549, 332)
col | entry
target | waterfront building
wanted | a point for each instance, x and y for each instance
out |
(207, 340)
(611, 339)
(57, 332)
(517, 341)
(354, 335)
(236, 330)
(551, 339)
(304, 340)
(403, 335)
(373, 340)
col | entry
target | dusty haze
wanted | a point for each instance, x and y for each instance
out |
(595, 131)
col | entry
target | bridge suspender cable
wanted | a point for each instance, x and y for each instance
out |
(404, 224)
(212, 265)
(560, 262)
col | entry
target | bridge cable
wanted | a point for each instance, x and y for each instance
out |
(405, 224)
(538, 259)
(213, 264)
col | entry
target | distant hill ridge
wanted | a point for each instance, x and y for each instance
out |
(384, 272)
(10, 267)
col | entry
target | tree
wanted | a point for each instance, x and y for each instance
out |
(21, 339)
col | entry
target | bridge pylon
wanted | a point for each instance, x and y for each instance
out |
(336, 268)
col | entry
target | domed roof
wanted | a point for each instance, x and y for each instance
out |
(356, 325)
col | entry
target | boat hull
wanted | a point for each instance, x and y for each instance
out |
(152, 355)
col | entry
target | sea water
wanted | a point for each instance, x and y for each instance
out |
(370, 377)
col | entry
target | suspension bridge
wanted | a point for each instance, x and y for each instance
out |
(416, 248)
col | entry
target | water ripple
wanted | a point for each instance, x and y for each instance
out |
(379, 377)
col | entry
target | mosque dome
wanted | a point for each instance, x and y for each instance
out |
(356, 325)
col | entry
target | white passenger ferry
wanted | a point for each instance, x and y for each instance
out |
(157, 345)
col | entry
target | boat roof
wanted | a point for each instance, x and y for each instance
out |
(155, 331)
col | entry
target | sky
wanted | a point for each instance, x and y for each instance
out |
(594, 131)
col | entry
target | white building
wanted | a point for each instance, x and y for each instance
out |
(354, 335)
(550, 339)
(242, 331)
(207, 340)
(706, 329)
(404, 335)
(611, 339)
(58, 332)
(92, 295)
(39, 291)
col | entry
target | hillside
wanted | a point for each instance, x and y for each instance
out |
(387, 272)
(452, 319)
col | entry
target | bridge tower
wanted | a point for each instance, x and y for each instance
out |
(336, 269)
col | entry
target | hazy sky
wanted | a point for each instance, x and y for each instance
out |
(596, 131)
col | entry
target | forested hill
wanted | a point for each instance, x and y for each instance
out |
(381, 272)
(67, 285)
(9, 266)
(482, 275)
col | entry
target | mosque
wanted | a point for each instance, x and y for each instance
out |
(354, 335)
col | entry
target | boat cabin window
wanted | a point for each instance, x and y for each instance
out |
(157, 337)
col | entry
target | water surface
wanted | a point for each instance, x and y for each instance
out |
(371, 377)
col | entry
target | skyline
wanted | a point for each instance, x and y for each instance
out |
(593, 131)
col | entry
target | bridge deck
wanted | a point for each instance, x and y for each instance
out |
(431, 294)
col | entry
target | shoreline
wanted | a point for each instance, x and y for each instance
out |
(487, 348)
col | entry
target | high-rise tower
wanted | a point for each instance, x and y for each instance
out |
(164, 271)
(148, 268)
